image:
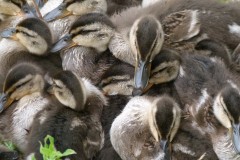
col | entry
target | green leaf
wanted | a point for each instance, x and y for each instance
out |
(49, 151)
(51, 142)
(69, 152)
(9, 145)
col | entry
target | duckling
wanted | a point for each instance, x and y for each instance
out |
(20, 101)
(30, 41)
(118, 80)
(184, 23)
(14, 11)
(72, 117)
(33, 33)
(85, 47)
(117, 86)
(144, 128)
(64, 15)
(198, 84)
(218, 117)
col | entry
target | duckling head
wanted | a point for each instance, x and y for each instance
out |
(146, 40)
(92, 30)
(23, 79)
(165, 68)
(68, 90)
(226, 109)
(76, 7)
(16, 8)
(33, 33)
(164, 120)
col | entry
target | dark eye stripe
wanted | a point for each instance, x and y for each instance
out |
(85, 32)
(25, 33)
(22, 84)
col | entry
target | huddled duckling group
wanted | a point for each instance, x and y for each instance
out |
(121, 79)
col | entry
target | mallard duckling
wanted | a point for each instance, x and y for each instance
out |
(64, 15)
(118, 80)
(73, 119)
(76, 7)
(20, 101)
(144, 127)
(185, 23)
(33, 33)
(117, 86)
(85, 47)
(198, 83)
(13, 12)
(30, 41)
(218, 117)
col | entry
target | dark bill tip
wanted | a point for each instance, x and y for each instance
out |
(166, 149)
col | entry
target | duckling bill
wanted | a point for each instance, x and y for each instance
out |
(5, 101)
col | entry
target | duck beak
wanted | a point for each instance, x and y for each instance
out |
(27, 10)
(236, 137)
(9, 33)
(5, 102)
(64, 43)
(166, 149)
(142, 73)
(57, 13)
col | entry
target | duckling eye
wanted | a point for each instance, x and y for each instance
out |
(66, 39)
(34, 42)
(102, 36)
(25, 10)
(61, 8)
(60, 93)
